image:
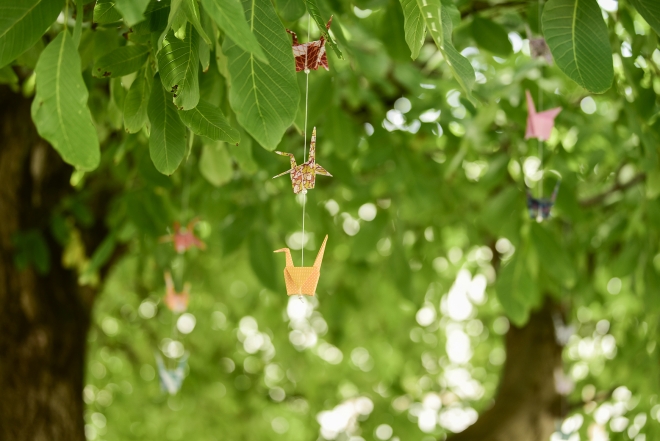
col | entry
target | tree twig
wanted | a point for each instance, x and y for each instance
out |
(597, 199)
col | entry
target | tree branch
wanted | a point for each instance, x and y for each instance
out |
(595, 200)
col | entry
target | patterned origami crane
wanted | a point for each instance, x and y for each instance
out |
(302, 279)
(184, 237)
(171, 379)
(303, 176)
(539, 208)
(311, 54)
(177, 302)
(539, 125)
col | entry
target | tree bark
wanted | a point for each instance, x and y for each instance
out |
(527, 404)
(43, 318)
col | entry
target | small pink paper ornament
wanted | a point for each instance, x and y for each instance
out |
(539, 125)
(177, 302)
(184, 237)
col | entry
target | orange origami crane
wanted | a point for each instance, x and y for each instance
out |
(184, 237)
(177, 302)
(302, 279)
(303, 176)
(312, 54)
(539, 125)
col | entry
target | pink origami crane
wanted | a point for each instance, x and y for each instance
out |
(311, 54)
(539, 125)
(177, 302)
(184, 237)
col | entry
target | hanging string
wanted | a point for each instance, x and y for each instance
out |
(539, 99)
(304, 192)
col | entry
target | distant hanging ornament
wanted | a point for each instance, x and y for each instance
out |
(175, 301)
(539, 208)
(310, 55)
(539, 124)
(171, 380)
(303, 176)
(184, 237)
(302, 280)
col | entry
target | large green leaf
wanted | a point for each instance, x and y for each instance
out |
(132, 10)
(516, 288)
(105, 12)
(264, 96)
(207, 120)
(439, 23)
(191, 9)
(167, 141)
(577, 36)
(22, 23)
(650, 10)
(552, 256)
(122, 61)
(215, 164)
(413, 26)
(136, 102)
(491, 36)
(178, 63)
(316, 15)
(59, 109)
(229, 15)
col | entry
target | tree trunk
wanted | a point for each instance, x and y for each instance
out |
(527, 404)
(43, 318)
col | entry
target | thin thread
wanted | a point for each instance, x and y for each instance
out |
(304, 193)
(539, 98)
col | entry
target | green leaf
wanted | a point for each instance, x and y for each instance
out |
(31, 248)
(121, 61)
(552, 256)
(101, 255)
(192, 12)
(516, 289)
(167, 141)
(650, 10)
(264, 96)
(439, 23)
(230, 16)
(8, 76)
(215, 164)
(132, 10)
(59, 109)
(413, 26)
(22, 23)
(491, 36)
(136, 102)
(207, 120)
(316, 15)
(178, 63)
(263, 261)
(105, 12)
(578, 39)
(291, 10)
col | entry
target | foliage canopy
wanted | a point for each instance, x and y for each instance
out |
(179, 104)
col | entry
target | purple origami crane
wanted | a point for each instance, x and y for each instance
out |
(539, 125)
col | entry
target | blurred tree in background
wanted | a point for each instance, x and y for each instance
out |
(442, 310)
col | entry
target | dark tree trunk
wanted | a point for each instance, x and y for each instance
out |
(527, 403)
(43, 318)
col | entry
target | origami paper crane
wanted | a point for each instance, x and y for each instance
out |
(310, 55)
(302, 279)
(171, 379)
(303, 176)
(539, 208)
(177, 302)
(539, 125)
(184, 237)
